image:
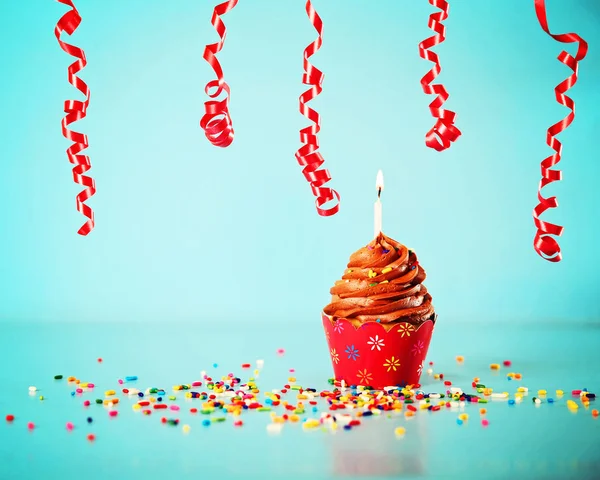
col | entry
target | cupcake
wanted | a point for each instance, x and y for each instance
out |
(380, 319)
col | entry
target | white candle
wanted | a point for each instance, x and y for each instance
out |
(378, 207)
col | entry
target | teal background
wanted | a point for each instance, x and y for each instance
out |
(186, 231)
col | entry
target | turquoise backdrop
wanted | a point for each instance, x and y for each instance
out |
(187, 231)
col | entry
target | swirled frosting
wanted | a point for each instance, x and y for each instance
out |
(383, 283)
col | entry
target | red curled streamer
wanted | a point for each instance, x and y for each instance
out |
(216, 121)
(76, 110)
(443, 133)
(308, 156)
(544, 244)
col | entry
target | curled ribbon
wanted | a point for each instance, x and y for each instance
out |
(544, 244)
(76, 110)
(216, 121)
(308, 156)
(443, 133)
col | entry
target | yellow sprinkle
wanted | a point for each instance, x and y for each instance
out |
(385, 281)
(464, 417)
(177, 387)
(559, 393)
(349, 271)
(311, 423)
(334, 426)
(487, 391)
(41, 397)
(188, 395)
(424, 406)
(301, 396)
(136, 406)
(386, 270)
(436, 376)
(408, 414)
(256, 372)
(111, 401)
(572, 405)
(151, 399)
(294, 418)
(84, 385)
(460, 358)
(186, 429)
(518, 395)
(511, 375)
(541, 392)
(108, 393)
(372, 274)
(495, 366)
(522, 389)
(399, 431)
(292, 379)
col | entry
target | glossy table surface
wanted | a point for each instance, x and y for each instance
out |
(522, 441)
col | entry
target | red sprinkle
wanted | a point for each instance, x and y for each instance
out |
(507, 363)
(159, 406)
(193, 410)
(576, 393)
(435, 408)
(113, 413)
(125, 390)
(91, 437)
(354, 423)
(163, 420)
(448, 382)
(238, 423)
(412, 408)
(246, 365)
(86, 403)
(144, 403)
(100, 360)
(31, 425)
(10, 418)
(146, 412)
(441, 376)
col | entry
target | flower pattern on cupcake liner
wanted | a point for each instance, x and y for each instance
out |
(334, 356)
(376, 342)
(417, 348)
(405, 329)
(364, 377)
(352, 352)
(392, 363)
(338, 327)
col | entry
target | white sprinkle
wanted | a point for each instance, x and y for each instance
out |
(429, 371)
(260, 363)
(435, 395)
(454, 390)
(274, 428)
(33, 389)
(499, 395)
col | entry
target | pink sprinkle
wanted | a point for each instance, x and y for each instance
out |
(86, 403)
(576, 393)
(120, 382)
(174, 407)
(31, 425)
(196, 384)
(69, 426)
(91, 385)
(113, 413)
(507, 363)
(292, 370)
(79, 390)
(485, 422)
(280, 351)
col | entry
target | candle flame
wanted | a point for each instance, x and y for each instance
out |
(379, 181)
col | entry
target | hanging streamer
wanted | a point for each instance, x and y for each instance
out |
(544, 243)
(443, 133)
(216, 121)
(77, 110)
(308, 156)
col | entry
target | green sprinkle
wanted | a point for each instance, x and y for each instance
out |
(408, 400)
(99, 401)
(58, 377)
(482, 400)
(218, 419)
(153, 390)
(264, 409)
(442, 395)
(331, 381)
(299, 411)
(207, 411)
(480, 390)
(480, 385)
(372, 284)
(172, 397)
(296, 387)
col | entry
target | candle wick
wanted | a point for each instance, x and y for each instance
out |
(379, 193)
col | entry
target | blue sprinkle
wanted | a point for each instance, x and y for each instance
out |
(347, 427)
(511, 402)
(72, 394)
(550, 400)
(206, 422)
(89, 419)
(315, 409)
(268, 401)
(509, 378)
(385, 251)
(215, 365)
(459, 421)
(140, 394)
(131, 378)
(159, 399)
(379, 320)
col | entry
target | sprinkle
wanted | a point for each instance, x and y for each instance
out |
(58, 377)
(131, 378)
(541, 393)
(91, 437)
(33, 389)
(594, 413)
(69, 426)
(559, 393)
(89, 419)
(31, 425)
(246, 365)
(485, 422)
(100, 360)
(495, 366)
(186, 429)
(459, 421)
(572, 405)
(507, 363)
(206, 422)
(400, 431)
(460, 358)
(10, 418)
(280, 352)
(482, 411)
(113, 413)
(387, 270)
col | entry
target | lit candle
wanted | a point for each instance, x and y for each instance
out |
(379, 186)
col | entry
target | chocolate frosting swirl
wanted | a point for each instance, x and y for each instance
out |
(383, 283)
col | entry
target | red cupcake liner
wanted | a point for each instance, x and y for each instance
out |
(372, 356)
